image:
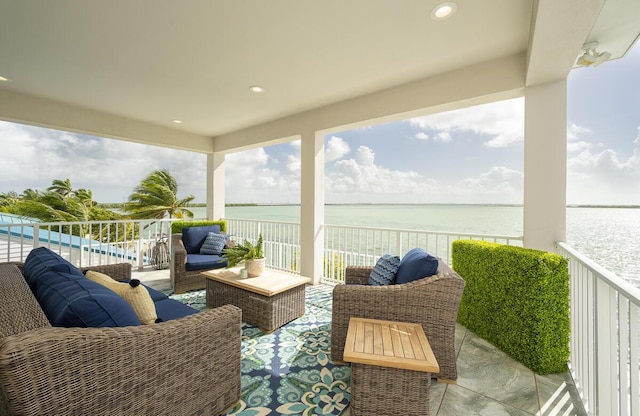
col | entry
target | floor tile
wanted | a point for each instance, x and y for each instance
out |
(484, 369)
(459, 401)
(558, 396)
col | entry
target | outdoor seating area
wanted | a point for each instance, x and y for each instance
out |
(299, 344)
(513, 388)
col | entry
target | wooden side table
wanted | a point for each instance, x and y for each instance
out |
(391, 367)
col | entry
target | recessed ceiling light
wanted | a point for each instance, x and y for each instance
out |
(256, 88)
(4, 79)
(177, 121)
(444, 10)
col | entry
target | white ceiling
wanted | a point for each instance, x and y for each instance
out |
(194, 60)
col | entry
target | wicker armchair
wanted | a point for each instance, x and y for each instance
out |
(432, 302)
(183, 280)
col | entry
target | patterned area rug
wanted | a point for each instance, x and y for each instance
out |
(289, 372)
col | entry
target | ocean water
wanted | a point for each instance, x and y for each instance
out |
(608, 236)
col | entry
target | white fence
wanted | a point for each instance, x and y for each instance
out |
(605, 337)
(346, 245)
(87, 243)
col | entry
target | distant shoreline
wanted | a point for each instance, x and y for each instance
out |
(203, 204)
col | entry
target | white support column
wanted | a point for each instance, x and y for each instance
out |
(545, 165)
(215, 186)
(312, 205)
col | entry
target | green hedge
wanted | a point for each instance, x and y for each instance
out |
(176, 226)
(518, 300)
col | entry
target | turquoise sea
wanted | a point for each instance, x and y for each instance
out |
(608, 236)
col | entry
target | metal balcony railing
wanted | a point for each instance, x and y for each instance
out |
(605, 337)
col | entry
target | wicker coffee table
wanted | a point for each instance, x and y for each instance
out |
(268, 301)
(391, 366)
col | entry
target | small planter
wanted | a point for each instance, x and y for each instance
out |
(254, 267)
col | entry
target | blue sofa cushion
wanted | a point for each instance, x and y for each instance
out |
(193, 237)
(204, 261)
(384, 272)
(156, 295)
(168, 309)
(213, 244)
(415, 265)
(71, 300)
(39, 261)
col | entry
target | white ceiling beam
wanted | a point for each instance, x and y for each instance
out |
(558, 31)
(27, 109)
(478, 84)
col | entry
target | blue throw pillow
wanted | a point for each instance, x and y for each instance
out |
(213, 244)
(193, 237)
(415, 265)
(384, 272)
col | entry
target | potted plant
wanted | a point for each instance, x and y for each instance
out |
(252, 255)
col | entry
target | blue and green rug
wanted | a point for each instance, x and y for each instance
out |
(289, 372)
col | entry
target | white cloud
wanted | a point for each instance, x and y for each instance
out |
(574, 141)
(249, 179)
(111, 168)
(443, 136)
(359, 179)
(365, 156)
(603, 177)
(422, 136)
(502, 121)
(335, 149)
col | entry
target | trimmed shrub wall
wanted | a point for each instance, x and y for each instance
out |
(518, 300)
(176, 226)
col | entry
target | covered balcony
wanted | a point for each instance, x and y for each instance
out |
(179, 76)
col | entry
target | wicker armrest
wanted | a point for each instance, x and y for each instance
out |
(118, 271)
(357, 275)
(184, 366)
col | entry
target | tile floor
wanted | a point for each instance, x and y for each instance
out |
(489, 382)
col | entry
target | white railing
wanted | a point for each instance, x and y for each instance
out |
(362, 246)
(346, 245)
(605, 337)
(281, 240)
(86, 243)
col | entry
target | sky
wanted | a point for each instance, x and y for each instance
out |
(469, 156)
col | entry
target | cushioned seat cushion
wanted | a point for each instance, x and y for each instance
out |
(415, 265)
(168, 309)
(204, 261)
(193, 237)
(71, 300)
(156, 295)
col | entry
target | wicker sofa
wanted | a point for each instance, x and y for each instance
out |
(189, 365)
(432, 301)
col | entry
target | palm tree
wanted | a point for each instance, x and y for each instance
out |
(62, 187)
(8, 199)
(32, 194)
(157, 197)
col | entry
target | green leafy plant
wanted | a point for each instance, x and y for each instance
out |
(176, 226)
(244, 251)
(517, 299)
